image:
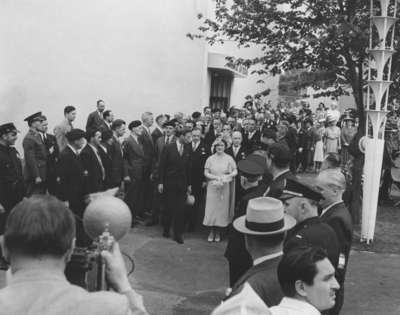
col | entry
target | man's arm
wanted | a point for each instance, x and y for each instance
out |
(118, 279)
(29, 153)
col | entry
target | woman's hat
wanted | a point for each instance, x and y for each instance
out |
(264, 216)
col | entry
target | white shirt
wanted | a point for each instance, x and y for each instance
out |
(179, 146)
(330, 206)
(247, 302)
(96, 153)
(260, 260)
(235, 150)
(195, 145)
(290, 306)
(251, 134)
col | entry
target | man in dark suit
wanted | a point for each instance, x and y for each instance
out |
(72, 190)
(301, 202)
(148, 150)
(214, 130)
(307, 144)
(53, 152)
(236, 253)
(252, 136)
(278, 160)
(35, 153)
(175, 182)
(104, 149)
(95, 119)
(12, 186)
(92, 163)
(169, 137)
(158, 130)
(118, 172)
(108, 118)
(238, 152)
(292, 141)
(264, 226)
(72, 178)
(331, 183)
(134, 159)
(199, 157)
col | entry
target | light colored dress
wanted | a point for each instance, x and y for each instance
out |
(332, 135)
(220, 199)
(319, 145)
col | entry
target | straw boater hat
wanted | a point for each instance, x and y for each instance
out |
(264, 216)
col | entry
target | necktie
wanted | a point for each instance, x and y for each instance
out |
(235, 150)
(167, 140)
(180, 149)
(103, 172)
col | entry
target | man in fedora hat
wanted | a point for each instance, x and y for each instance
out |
(250, 174)
(264, 226)
(301, 202)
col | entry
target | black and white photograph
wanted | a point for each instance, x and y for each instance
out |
(199, 157)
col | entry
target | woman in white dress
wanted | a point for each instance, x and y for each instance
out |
(319, 146)
(220, 170)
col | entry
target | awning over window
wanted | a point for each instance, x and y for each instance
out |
(219, 61)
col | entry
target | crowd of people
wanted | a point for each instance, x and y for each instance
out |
(232, 171)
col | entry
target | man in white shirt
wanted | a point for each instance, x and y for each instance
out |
(38, 241)
(307, 280)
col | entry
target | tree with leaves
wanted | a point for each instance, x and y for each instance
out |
(317, 36)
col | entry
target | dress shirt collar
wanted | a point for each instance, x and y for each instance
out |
(330, 206)
(95, 150)
(36, 274)
(261, 259)
(280, 173)
(146, 128)
(293, 306)
(73, 149)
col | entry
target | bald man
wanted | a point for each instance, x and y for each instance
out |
(331, 184)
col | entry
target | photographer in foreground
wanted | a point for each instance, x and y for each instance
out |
(38, 242)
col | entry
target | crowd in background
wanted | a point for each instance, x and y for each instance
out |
(216, 167)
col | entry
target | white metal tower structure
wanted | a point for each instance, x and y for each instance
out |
(383, 19)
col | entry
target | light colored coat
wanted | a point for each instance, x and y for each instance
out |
(45, 292)
(60, 131)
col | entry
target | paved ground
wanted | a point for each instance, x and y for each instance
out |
(191, 278)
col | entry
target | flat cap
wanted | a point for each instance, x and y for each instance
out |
(169, 123)
(34, 117)
(6, 128)
(75, 134)
(250, 167)
(294, 188)
(280, 152)
(134, 124)
(196, 115)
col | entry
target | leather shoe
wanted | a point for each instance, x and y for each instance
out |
(165, 234)
(178, 239)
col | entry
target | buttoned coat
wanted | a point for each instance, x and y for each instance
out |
(134, 159)
(94, 121)
(35, 154)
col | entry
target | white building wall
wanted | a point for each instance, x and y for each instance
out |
(134, 54)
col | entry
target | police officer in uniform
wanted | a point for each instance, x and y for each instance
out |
(301, 202)
(36, 155)
(12, 187)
